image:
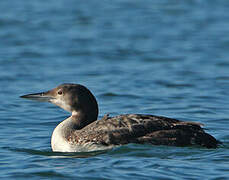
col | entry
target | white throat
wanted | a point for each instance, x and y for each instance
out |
(58, 141)
(61, 103)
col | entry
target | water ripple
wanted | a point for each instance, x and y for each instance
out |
(154, 57)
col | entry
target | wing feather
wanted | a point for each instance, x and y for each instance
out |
(138, 128)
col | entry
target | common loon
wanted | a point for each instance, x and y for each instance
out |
(83, 132)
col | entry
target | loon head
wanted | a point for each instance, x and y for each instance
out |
(74, 98)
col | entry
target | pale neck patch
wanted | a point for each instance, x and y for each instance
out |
(74, 113)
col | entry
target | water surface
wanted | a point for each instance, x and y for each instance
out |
(165, 58)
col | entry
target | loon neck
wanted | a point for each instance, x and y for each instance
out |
(81, 119)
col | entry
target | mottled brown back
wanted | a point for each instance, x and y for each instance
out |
(137, 128)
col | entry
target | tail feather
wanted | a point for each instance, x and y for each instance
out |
(206, 140)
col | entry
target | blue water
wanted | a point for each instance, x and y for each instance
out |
(167, 58)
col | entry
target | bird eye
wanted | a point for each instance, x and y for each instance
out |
(60, 92)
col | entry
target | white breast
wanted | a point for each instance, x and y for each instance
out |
(60, 144)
